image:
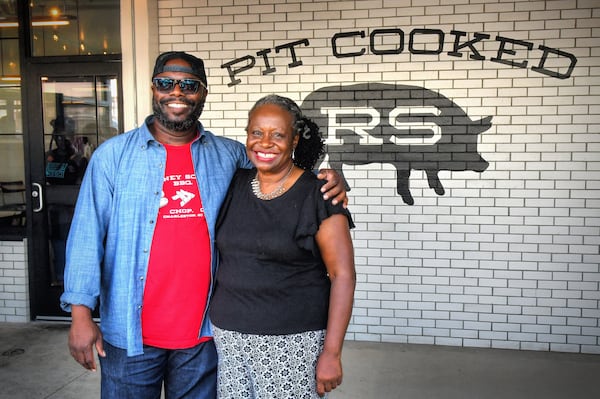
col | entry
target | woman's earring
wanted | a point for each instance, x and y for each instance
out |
(306, 133)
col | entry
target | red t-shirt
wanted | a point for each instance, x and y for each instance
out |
(178, 279)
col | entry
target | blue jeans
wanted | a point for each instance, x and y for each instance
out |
(186, 373)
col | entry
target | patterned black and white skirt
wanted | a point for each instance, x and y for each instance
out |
(267, 366)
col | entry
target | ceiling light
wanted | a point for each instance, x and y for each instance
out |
(38, 21)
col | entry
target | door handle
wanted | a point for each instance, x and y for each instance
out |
(37, 192)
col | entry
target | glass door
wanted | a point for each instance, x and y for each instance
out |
(79, 107)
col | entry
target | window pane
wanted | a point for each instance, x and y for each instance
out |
(79, 113)
(12, 168)
(8, 19)
(11, 134)
(75, 27)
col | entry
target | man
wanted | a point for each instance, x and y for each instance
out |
(141, 241)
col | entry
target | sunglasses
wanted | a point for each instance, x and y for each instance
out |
(187, 86)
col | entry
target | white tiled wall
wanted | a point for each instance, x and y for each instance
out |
(507, 258)
(14, 290)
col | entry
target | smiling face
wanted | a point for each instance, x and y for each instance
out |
(270, 140)
(177, 112)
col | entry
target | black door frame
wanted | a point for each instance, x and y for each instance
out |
(44, 297)
(32, 68)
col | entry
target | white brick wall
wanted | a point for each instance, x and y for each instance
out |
(14, 282)
(508, 258)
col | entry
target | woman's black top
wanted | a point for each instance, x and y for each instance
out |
(271, 278)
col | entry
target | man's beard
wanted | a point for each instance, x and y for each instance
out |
(178, 126)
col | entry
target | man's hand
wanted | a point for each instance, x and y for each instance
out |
(83, 336)
(334, 187)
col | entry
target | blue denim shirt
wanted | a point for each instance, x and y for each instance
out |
(111, 233)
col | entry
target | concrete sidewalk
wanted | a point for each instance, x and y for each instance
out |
(35, 363)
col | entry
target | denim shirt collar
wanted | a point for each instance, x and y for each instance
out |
(149, 138)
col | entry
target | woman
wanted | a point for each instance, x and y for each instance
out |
(285, 285)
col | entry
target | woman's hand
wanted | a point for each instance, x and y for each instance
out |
(329, 372)
(337, 252)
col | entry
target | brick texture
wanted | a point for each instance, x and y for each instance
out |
(504, 258)
(14, 282)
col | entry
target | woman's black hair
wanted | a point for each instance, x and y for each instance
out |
(310, 144)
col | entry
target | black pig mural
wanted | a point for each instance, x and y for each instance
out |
(409, 127)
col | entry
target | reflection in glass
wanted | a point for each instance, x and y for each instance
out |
(78, 114)
(9, 55)
(12, 167)
(12, 187)
(75, 27)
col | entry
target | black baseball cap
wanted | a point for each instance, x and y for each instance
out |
(196, 65)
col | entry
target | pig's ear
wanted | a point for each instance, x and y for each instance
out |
(484, 124)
